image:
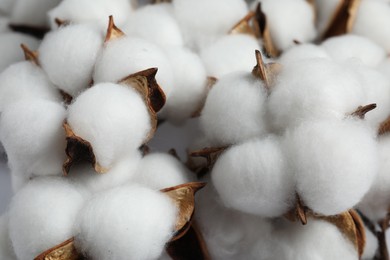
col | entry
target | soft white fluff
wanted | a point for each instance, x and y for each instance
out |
(325, 10)
(25, 80)
(313, 89)
(297, 23)
(202, 21)
(32, 12)
(42, 215)
(230, 53)
(371, 20)
(68, 56)
(10, 47)
(130, 222)
(6, 249)
(32, 135)
(234, 109)
(113, 118)
(4, 21)
(128, 55)
(371, 245)
(384, 68)
(350, 46)
(334, 163)
(6, 6)
(190, 86)
(252, 177)
(160, 170)
(302, 52)
(155, 24)
(91, 11)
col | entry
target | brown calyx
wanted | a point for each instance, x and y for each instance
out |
(266, 72)
(210, 82)
(63, 251)
(244, 26)
(30, 55)
(361, 111)
(384, 127)
(211, 155)
(113, 32)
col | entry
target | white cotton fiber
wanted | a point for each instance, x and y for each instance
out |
(113, 118)
(32, 134)
(10, 47)
(371, 246)
(297, 23)
(6, 6)
(155, 24)
(130, 222)
(6, 249)
(302, 52)
(32, 12)
(234, 109)
(160, 170)
(252, 177)
(25, 80)
(384, 68)
(190, 88)
(68, 56)
(202, 21)
(230, 53)
(342, 48)
(334, 163)
(372, 20)
(42, 214)
(91, 11)
(4, 21)
(325, 10)
(129, 55)
(313, 89)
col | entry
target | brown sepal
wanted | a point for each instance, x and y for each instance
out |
(113, 32)
(343, 18)
(173, 152)
(211, 155)
(67, 98)
(30, 55)
(145, 83)
(244, 26)
(384, 127)
(77, 150)
(145, 149)
(61, 22)
(266, 72)
(63, 251)
(184, 198)
(37, 32)
(299, 212)
(361, 111)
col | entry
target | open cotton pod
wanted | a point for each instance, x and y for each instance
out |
(68, 56)
(6, 249)
(334, 163)
(42, 214)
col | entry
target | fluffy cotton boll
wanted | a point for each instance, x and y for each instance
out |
(230, 53)
(121, 172)
(32, 134)
(234, 109)
(128, 55)
(155, 25)
(91, 11)
(32, 13)
(190, 88)
(334, 163)
(371, 28)
(10, 47)
(113, 118)
(384, 68)
(371, 245)
(324, 89)
(302, 52)
(6, 6)
(252, 177)
(141, 219)
(202, 21)
(160, 170)
(68, 56)
(6, 249)
(325, 10)
(25, 80)
(42, 215)
(342, 48)
(297, 25)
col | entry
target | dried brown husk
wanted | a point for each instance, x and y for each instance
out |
(361, 111)
(113, 32)
(30, 55)
(61, 22)
(63, 251)
(183, 196)
(244, 26)
(266, 72)
(343, 18)
(211, 155)
(384, 127)
(145, 83)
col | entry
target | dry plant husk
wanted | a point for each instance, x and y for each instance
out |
(210, 154)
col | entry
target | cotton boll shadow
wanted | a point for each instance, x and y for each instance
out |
(5, 187)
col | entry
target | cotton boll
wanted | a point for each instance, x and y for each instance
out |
(10, 47)
(323, 90)
(203, 21)
(302, 52)
(68, 56)
(128, 55)
(371, 245)
(25, 80)
(159, 170)
(6, 6)
(234, 110)
(349, 46)
(334, 163)
(252, 177)
(42, 214)
(141, 219)
(375, 29)
(325, 10)
(384, 68)
(32, 12)
(6, 249)
(154, 24)
(190, 86)
(230, 53)
(113, 118)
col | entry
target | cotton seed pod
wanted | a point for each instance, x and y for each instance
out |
(234, 110)
(252, 177)
(52, 209)
(334, 163)
(302, 52)
(6, 249)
